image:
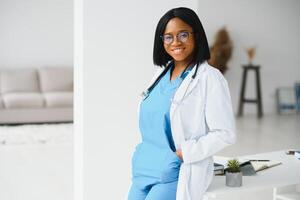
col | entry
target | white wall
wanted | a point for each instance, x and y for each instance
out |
(273, 26)
(36, 33)
(118, 42)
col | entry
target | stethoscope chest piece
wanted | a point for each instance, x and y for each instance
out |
(145, 94)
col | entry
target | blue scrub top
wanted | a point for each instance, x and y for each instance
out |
(156, 160)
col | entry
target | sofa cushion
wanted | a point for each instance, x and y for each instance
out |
(54, 79)
(19, 80)
(23, 100)
(59, 99)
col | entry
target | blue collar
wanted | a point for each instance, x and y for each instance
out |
(186, 72)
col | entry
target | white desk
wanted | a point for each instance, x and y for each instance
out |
(288, 173)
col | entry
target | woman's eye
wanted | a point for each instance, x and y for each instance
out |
(168, 37)
(183, 35)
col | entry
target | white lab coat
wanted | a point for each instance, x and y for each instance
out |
(202, 124)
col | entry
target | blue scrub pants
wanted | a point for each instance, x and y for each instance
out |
(159, 191)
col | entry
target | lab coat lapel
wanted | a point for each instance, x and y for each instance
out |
(186, 86)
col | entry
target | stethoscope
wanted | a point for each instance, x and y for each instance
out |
(147, 92)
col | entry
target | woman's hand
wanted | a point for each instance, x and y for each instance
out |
(179, 154)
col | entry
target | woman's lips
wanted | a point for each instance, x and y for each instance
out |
(178, 50)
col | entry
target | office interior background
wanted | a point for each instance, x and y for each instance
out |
(118, 42)
(117, 66)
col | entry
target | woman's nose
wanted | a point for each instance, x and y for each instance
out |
(176, 41)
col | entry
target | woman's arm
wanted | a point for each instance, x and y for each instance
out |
(220, 122)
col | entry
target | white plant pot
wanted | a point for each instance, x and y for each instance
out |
(234, 179)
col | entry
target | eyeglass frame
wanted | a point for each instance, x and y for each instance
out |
(189, 32)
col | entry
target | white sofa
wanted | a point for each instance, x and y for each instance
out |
(36, 95)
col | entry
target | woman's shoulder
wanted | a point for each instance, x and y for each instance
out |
(212, 71)
(213, 74)
(159, 68)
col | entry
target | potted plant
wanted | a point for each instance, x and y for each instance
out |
(233, 173)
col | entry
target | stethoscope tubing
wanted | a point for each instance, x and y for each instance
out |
(146, 93)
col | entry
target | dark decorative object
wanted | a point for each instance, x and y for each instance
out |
(251, 53)
(258, 99)
(221, 51)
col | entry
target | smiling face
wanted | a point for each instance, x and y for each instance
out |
(183, 44)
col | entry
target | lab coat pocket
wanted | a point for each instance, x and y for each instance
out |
(193, 117)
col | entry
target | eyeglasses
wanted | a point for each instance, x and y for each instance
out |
(181, 36)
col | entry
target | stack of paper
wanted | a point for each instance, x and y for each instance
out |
(218, 169)
(261, 165)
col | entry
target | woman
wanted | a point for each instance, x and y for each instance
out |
(185, 116)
